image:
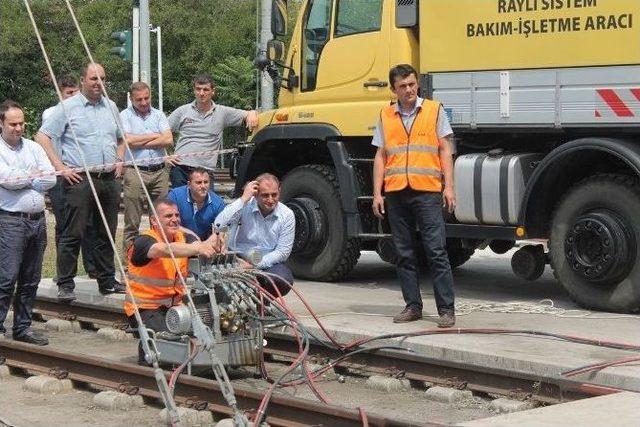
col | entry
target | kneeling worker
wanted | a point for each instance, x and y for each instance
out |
(153, 276)
(259, 223)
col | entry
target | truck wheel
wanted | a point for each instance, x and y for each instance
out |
(594, 241)
(321, 250)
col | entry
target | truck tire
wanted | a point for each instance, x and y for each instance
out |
(321, 250)
(593, 245)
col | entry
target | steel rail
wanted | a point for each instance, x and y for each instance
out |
(282, 411)
(415, 367)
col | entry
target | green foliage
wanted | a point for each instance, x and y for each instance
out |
(197, 35)
(235, 79)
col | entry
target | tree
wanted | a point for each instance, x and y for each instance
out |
(197, 35)
(235, 79)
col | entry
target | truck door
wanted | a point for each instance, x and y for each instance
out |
(344, 64)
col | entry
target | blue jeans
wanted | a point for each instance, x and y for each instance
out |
(22, 244)
(408, 211)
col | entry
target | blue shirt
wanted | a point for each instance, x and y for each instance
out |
(19, 192)
(197, 220)
(46, 115)
(154, 122)
(271, 235)
(94, 126)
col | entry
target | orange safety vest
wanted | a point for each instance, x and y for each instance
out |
(412, 155)
(155, 284)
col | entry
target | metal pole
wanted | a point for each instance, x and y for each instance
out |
(135, 60)
(266, 84)
(145, 43)
(158, 31)
(257, 72)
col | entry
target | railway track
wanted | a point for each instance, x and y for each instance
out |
(290, 411)
(198, 392)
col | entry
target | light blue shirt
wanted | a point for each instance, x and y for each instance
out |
(46, 115)
(249, 230)
(154, 122)
(18, 191)
(443, 126)
(94, 125)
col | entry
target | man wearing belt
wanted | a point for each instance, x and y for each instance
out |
(414, 164)
(152, 274)
(68, 87)
(93, 119)
(201, 125)
(23, 231)
(147, 132)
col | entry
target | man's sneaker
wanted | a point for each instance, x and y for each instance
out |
(409, 314)
(31, 337)
(446, 320)
(66, 295)
(114, 288)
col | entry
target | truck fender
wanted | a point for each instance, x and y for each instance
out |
(536, 203)
(349, 189)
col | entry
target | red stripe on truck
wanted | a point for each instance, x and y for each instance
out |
(615, 103)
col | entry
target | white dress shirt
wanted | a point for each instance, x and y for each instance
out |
(249, 230)
(19, 190)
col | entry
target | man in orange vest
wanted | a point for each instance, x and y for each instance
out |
(153, 275)
(414, 164)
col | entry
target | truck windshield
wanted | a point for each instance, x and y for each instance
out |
(315, 36)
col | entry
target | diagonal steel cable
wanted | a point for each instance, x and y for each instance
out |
(159, 375)
(201, 331)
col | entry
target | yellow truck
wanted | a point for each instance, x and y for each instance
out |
(544, 100)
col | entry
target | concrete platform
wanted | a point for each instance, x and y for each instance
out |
(364, 304)
(620, 410)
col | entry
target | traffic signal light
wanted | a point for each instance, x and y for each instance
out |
(125, 50)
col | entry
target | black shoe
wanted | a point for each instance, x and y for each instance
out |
(92, 275)
(66, 295)
(32, 337)
(113, 288)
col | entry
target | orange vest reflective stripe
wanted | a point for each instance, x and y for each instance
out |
(412, 154)
(155, 284)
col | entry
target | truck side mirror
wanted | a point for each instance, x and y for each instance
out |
(279, 17)
(275, 51)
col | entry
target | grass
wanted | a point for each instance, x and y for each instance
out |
(49, 261)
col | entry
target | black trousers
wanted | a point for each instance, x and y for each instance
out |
(82, 218)
(409, 210)
(152, 319)
(56, 195)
